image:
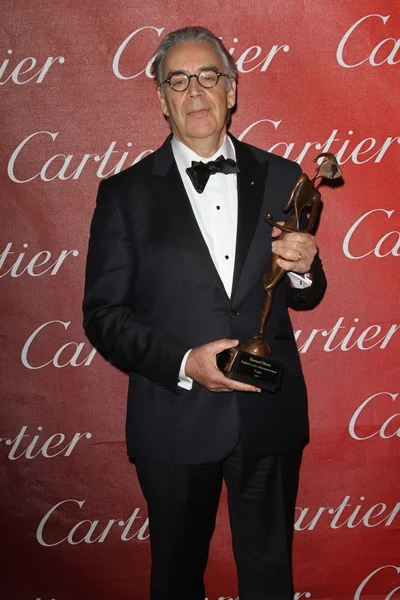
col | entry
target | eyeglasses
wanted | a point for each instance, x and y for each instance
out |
(179, 82)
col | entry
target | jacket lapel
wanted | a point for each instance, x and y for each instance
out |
(251, 187)
(167, 186)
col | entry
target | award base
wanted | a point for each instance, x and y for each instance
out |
(251, 368)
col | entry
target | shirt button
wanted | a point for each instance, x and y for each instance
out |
(226, 256)
(218, 207)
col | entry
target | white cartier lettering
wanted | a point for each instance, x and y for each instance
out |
(253, 53)
(346, 515)
(297, 151)
(113, 160)
(250, 59)
(66, 166)
(344, 338)
(386, 51)
(361, 587)
(30, 446)
(388, 244)
(17, 74)
(16, 264)
(68, 354)
(390, 428)
(122, 48)
(90, 531)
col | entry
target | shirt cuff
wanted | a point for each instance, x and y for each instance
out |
(300, 281)
(185, 382)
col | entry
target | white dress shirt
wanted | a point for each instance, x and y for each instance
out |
(216, 210)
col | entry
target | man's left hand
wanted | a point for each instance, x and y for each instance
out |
(296, 250)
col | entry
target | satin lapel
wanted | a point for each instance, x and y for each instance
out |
(251, 187)
(167, 186)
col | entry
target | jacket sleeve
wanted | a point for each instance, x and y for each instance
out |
(307, 298)
(110, 322)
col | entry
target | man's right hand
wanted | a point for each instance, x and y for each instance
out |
(201, 365)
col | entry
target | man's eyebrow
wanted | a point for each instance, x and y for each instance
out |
(180, 71)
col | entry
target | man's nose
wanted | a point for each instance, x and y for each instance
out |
(195, 88)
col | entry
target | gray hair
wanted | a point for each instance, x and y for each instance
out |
(192, 34)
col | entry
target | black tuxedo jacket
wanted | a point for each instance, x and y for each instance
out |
(152, 292)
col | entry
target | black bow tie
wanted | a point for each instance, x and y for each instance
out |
(200, 172)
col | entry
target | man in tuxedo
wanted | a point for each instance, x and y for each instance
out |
(174, 277)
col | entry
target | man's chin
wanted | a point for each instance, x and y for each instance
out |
(203, 130)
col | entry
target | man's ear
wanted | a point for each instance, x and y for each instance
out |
(162, 102)
(231, 94)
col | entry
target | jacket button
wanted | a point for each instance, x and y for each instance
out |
(234, 313)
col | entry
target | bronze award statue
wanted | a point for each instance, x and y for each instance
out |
(250, 361)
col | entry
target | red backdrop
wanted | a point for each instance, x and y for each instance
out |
(78, 104)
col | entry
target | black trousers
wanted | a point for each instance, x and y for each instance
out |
(182, 505)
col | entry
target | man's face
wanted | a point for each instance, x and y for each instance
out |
(197, 116)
